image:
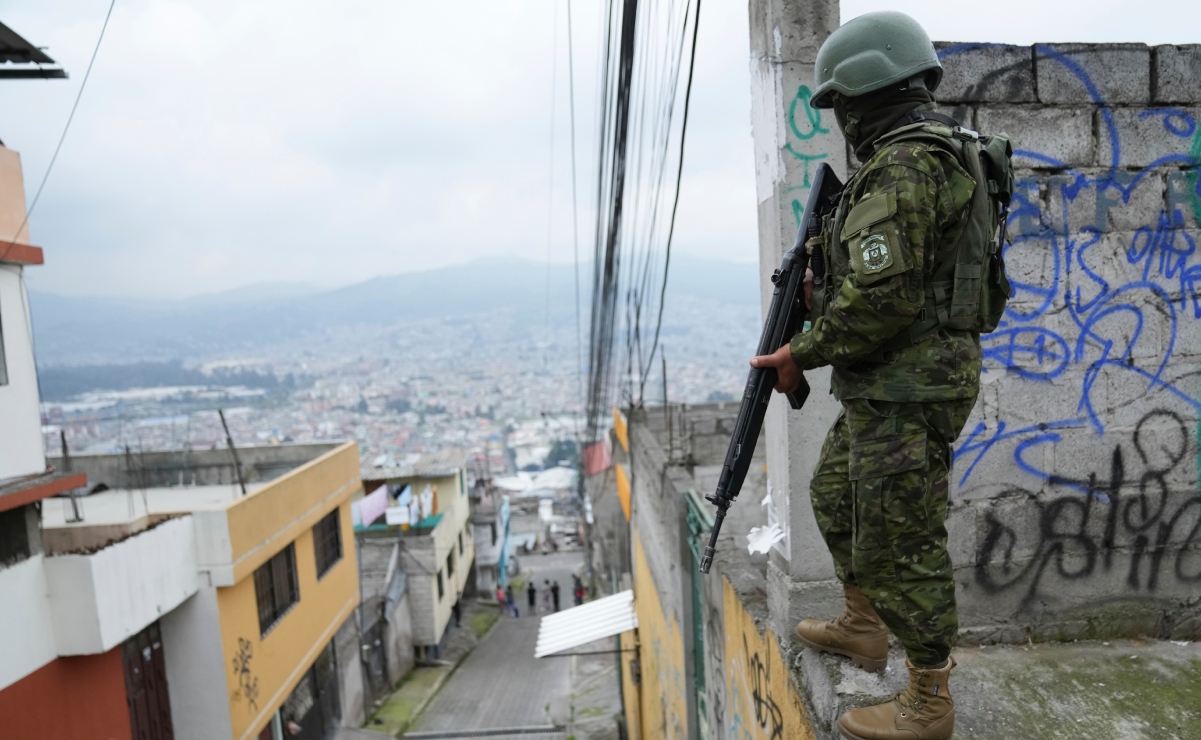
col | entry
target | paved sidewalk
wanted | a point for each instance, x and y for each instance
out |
(501, 684)
(416, 690)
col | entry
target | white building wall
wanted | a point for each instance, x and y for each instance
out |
(195, 671)
(20, 422)
(26, 637)
(100, 600)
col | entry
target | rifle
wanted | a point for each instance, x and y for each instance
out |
(783, 319)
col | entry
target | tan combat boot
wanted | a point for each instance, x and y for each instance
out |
(923, 711)
(857, 633)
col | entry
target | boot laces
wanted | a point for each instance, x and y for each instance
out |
(912, 698)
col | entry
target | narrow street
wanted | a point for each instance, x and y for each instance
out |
(501, 685)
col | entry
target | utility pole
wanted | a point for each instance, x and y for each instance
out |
(229, 440)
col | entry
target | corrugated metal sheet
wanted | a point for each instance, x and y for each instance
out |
(581, 625)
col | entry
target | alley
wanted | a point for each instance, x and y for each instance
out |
(501, 684)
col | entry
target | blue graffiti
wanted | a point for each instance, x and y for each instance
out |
(1074, 314)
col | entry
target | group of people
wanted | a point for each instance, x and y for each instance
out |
(547, 595)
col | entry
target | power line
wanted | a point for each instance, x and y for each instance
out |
(575, 219)
(550, 186)
(66, 128)
(643, 55)
(671, 229)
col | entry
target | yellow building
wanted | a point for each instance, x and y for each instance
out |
(273, 576)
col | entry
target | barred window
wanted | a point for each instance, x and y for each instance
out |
(327, 542)
(275, 587)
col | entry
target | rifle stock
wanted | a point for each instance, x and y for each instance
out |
(783, 320)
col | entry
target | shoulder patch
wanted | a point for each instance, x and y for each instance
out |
(874, 253)
(874, 238)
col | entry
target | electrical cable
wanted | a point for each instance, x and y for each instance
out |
(575, 219)
(671, 229)
(37, 196)
(63, 137)
(550, 186)
(641, 60)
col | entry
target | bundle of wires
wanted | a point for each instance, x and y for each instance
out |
(641, 140)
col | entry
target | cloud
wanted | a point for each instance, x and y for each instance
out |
(332, 142)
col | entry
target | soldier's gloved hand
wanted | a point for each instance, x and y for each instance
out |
(788, 375)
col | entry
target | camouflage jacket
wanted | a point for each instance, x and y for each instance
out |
(890, 229)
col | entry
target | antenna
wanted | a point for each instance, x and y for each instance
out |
(233, 451)
(76, 515)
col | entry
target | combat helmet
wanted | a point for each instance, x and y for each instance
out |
(872, 51)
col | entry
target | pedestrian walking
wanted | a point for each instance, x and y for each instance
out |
(577, 590)
(554, 594)
(457, 611)
(546, 595)
(532, 594)
(500, 597)
(510, 602)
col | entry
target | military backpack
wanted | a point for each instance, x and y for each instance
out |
(968, 292)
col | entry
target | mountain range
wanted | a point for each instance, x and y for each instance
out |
(81, 330)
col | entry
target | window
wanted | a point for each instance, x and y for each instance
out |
(450, 563)
(275, 587)
(441, 589)
(3, 364)
(327, 542)
(15, 544)
(460, 543)
(493, 525)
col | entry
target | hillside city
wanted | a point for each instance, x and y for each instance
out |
(502, 393)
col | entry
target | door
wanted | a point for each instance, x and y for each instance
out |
(375, 659)
(313, 710)
(146, 686)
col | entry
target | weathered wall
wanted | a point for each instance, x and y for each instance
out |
(748, 690)
(1074, 506)
(1077, 509)
(663, 692)
(73, 697)
(763, 700)
(708, 664)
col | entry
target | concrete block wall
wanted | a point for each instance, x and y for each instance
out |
(1075, 506)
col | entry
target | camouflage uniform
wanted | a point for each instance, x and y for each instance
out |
(880, 491)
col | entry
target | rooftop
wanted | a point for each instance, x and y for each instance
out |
(19, 58)
(428, 465)
(122, 506)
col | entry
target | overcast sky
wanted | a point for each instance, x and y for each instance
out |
(221, 143)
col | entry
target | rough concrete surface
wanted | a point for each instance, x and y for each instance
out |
(1123, 690)
(1120, 73)
(980, 72)
(1178, 77)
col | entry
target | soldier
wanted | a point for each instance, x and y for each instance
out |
(906, 378)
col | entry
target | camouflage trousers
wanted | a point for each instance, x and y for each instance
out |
(880, 496)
